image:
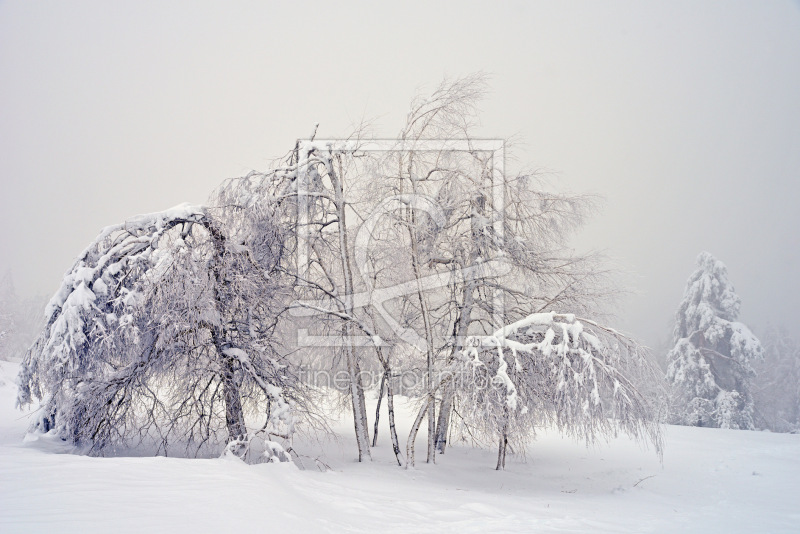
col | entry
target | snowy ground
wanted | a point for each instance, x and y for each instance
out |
(710, 481)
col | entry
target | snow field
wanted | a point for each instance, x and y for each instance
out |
(711, 480)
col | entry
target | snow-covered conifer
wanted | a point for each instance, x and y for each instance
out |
(710, 365)
(8, 309)
(777, 384)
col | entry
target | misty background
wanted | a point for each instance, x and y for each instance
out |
(683, 116)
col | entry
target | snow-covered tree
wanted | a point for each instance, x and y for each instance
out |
(710, 367)
(777, 384)
(311, 195)
(554, 370)
(476, 246)
(20, 320)
(5, 329)
(8, 323)
(161, 333)
(167, 325)
(403, 247)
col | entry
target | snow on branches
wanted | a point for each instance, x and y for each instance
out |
(777, 384)
(551, 368)
(161, 333)
(710, 364)
(166, 328)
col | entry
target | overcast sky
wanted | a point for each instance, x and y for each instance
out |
(684, 116)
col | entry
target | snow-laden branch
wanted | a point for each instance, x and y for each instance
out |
(551, 368)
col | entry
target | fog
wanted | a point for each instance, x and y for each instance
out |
(683, 116)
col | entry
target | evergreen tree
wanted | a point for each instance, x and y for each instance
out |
(21, 319)
(8, 306)
(710, 365)
(777, 386)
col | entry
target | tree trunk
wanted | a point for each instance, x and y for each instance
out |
(443, 421)
(431, 458)
(461, 327)
(378, 410)
(362, 401)
(234, 415)
(386, 382)
(357, 398)
(501, 452)
(351, 358)
(412, 436)
(392, 428)
(460, 331)
(425, 314)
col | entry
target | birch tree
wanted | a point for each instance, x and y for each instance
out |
(180, 323)
(312, 194)
(482, 248)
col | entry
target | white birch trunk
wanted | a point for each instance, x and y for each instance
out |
(351, 358)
